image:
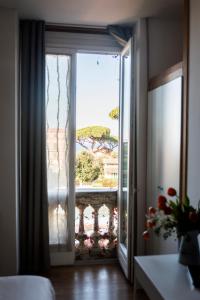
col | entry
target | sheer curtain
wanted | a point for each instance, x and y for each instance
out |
(58, 70)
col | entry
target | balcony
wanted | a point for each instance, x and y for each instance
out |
(96, 224)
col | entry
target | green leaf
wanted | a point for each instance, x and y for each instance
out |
(87, 169)
(187, 201)
(96, 139)
(199, 205)
(114, 114)
(172, 204)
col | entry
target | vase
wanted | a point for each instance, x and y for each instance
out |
(189, 253)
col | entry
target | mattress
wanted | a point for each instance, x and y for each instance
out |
(26, 288)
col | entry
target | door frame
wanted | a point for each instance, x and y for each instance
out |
(58, 43)
(125, 255)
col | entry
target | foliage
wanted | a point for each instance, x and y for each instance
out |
(87, 169)
(172, 216)
(114, 154)
(96, 139)
(107, 182)
(114, 114)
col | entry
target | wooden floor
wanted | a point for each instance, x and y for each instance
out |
(92, 282)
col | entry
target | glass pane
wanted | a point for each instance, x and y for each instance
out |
(57, 129)
(97, 112)
(125, 143)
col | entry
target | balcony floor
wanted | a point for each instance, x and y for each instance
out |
(100, 282)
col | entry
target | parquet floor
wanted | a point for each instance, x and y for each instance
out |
(92, 282)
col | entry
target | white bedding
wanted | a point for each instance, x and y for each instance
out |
(26, 288)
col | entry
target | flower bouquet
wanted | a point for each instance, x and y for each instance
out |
(172, 217)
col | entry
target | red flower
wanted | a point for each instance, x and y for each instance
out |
(162, 202)
(171, 192)
(167, 210)
(193, 216)
(151, 223)
(152, 210)
(146, 235)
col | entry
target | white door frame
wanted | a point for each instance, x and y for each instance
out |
(59, 43)
(125, 254)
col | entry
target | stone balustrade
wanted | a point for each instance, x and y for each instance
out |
(96, 224)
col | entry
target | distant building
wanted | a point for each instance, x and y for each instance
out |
(56, 148)
(110, 166)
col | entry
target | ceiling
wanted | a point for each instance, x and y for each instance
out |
(94, 12)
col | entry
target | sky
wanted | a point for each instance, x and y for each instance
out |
(97, 90)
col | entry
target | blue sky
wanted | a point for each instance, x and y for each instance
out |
(97, 90)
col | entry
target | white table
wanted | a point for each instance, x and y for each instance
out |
(162, 277)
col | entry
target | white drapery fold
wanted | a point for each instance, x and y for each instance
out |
(58, 70)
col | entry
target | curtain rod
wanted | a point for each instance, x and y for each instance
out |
(76, 29)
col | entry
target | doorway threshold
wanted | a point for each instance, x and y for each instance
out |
(87, 262)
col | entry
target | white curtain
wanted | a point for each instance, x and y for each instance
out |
(58, 70)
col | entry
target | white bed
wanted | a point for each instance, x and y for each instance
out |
(26, 288)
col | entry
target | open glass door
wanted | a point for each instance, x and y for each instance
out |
(126, 162)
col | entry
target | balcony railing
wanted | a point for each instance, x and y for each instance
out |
(96, 224)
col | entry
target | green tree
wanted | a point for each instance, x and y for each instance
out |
(87, 168)
(114, 114)
(96, 139)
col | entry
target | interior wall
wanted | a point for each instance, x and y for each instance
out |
(8, 135)
(194, 104)
(165, 44)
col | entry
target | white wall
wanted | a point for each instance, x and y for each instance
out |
(165, 39)
(194, 104)
(8, 147)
